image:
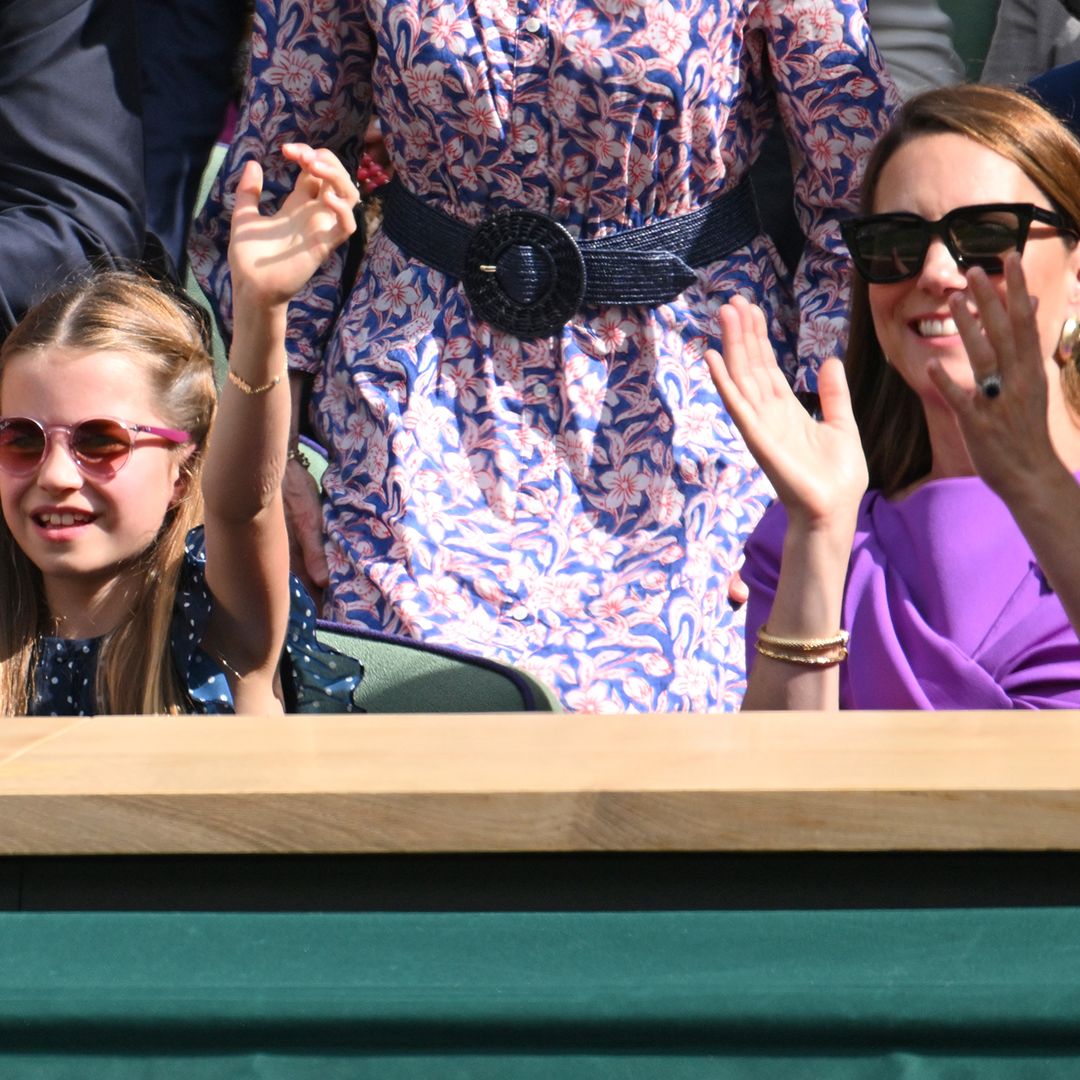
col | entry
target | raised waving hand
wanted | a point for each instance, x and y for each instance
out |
(1024, 441)
(817, 468)
(247, 554)
(819, 472)
(277, 254)
(1008, 434)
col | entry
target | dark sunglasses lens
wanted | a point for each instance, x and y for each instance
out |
(887, 250)
(100, 446)
(22, 445)
(985, 238)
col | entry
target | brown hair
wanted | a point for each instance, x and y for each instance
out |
(889, 414)
(127, 312)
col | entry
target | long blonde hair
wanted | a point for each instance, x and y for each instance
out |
(119, 311)
(889, 414)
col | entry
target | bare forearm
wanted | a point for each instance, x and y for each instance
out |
(807, 607)
(247, 454)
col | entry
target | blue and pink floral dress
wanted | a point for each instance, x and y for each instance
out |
(577, 504)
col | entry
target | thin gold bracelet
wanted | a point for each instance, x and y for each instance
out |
(840, 638)
(815, 660)
(242, 384)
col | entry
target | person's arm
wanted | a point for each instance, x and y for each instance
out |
(303, 506)
(1009, 437)
(71, 152)
(819, 474)
(1015, 55)
(247, 560)
(834, 98)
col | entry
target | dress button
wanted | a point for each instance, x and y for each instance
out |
(540, 390)
(519, 612)
(529, 146)
(532, 24)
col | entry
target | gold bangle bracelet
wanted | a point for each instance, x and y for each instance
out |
(242, 383)
(840, 638)
(813, 659)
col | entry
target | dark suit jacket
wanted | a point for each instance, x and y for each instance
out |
(1059, 90)
(71, 172)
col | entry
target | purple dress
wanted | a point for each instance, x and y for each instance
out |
(573, 505)
(946, 606)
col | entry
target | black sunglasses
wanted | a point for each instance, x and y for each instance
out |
(893, 247)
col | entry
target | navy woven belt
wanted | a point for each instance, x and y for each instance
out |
(525, 274)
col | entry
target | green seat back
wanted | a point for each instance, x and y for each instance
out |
(405, 676)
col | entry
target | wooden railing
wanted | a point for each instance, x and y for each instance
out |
(540, 783)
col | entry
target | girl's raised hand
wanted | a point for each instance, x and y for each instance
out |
(272, 256)
(1007, 436)
(817, 468)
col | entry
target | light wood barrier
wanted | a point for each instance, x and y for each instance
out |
(541, 783)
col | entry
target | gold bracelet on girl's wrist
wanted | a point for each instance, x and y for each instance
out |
(242, 384)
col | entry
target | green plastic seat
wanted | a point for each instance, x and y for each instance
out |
(406, 676)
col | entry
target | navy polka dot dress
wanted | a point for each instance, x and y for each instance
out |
(316, 678)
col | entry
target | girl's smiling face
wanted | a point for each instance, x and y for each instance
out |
(83, 533)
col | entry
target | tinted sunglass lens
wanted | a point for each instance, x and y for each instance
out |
(22, 445)
(101, 445)
(985, 240)
(890, 250)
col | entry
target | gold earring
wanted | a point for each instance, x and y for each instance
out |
(1068, 342)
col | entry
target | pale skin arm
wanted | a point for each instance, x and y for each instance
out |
(819, 473)
(1009, 438)
(247, 548)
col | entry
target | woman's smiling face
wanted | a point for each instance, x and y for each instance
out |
(930, 175)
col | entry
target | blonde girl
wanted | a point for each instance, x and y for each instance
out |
(114, 600)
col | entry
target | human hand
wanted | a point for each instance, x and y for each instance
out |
(817, 468)
(303, 518)
(738, 592)
(1007, 436)
(272, 256)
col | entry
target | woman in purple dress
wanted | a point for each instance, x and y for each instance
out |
(527, 455)
(957, 575)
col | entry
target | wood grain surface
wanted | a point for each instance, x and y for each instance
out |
(541, 782)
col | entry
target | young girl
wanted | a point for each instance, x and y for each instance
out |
(114, 602)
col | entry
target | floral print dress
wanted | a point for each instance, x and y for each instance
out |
(575, 505)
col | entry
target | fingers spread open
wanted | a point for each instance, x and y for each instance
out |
(748, 353)
(325, 167)
(1021, 311)
(998, 353)
(248, 190)
(960, 400)
(833, 393)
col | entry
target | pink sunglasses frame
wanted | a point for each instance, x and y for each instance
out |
(93, 470)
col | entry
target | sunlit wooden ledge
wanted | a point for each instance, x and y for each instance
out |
(541, 783)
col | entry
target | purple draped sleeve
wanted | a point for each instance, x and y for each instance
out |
(945, 604)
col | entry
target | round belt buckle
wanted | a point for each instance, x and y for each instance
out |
(552, 309)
